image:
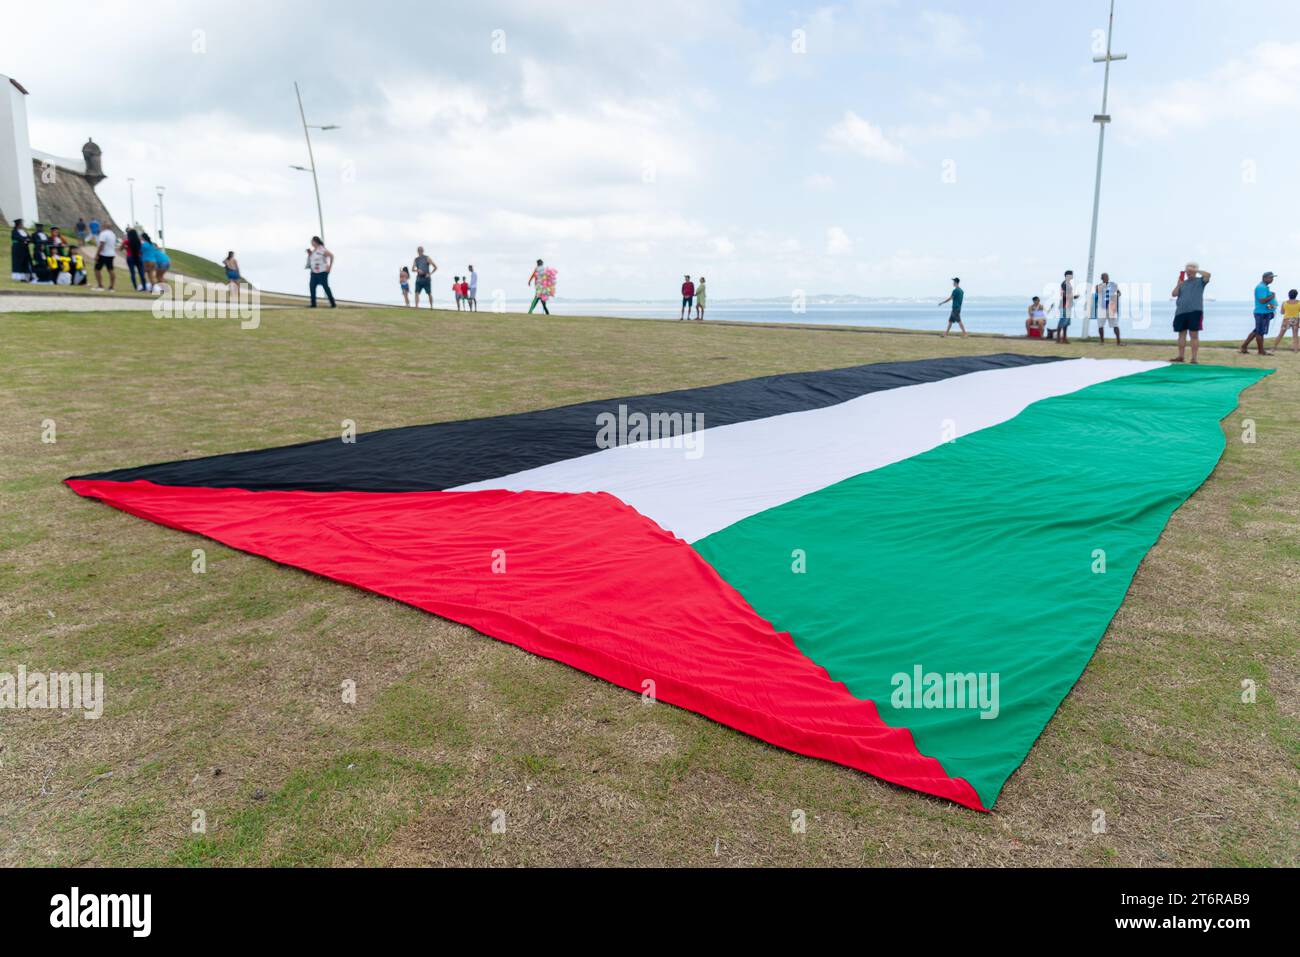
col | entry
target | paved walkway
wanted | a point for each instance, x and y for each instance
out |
(83, 302)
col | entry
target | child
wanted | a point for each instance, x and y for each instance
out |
(404, 279)
(463, 291)
(1290, 320)
(455, 291)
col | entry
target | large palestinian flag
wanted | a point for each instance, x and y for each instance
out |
(901, 567)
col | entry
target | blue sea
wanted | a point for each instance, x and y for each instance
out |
(1223, 320)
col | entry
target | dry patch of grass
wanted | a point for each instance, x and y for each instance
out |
(224, 689)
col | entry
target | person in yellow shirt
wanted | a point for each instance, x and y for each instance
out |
(1290, 320)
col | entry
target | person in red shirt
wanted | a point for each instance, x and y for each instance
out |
(688, 298)
(463, 289)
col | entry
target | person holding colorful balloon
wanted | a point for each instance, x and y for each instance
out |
(543, 282)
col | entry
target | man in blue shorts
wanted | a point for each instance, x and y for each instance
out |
(424, 270)
(1265, 307)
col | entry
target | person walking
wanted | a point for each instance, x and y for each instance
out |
(1189, 310)
(957, 296)
(688, 299)
(537, 281)
(320, 261)
(404, 280)
(232, 272)
(1265, 309)
(424, 270)
(1105, 306)
(473, 290)
(700, 295)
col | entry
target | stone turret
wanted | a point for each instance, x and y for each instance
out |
(94, 162)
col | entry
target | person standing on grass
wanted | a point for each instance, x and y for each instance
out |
(1265, 307)
(404, 280)
(536, 281)
(320, 261)
(424, 270)
(956, 298)
(94, 231)
(688, 299)
(105, 251)
(1105, 306)
(153, 260)
(1066, 302)
(20, 253)
(82, 231)
(1290, 320)
(232, 272)
(455, 290)
(1189, 311)
(134, 249)
(473, 290)
(700, 296)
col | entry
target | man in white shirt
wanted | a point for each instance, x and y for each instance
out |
(473, 290)
(1105, 302)
(105, 251)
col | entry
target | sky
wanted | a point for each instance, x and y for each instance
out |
(867, 147)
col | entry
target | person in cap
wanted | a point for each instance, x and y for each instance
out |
(1265, 308)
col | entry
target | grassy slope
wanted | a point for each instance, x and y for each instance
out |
(187, 264)
(223, 688)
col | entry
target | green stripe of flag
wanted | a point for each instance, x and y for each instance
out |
(982, 557)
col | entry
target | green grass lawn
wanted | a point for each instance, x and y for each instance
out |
(223, 689)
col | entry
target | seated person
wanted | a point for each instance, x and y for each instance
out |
(41, 256)
(1036, 323)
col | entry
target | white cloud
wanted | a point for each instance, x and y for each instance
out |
(819, 181)
(856, 135)
(958, 125)
(948, 36)
(837, 241)
(1258, 85)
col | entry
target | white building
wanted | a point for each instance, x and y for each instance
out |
(40, 187)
